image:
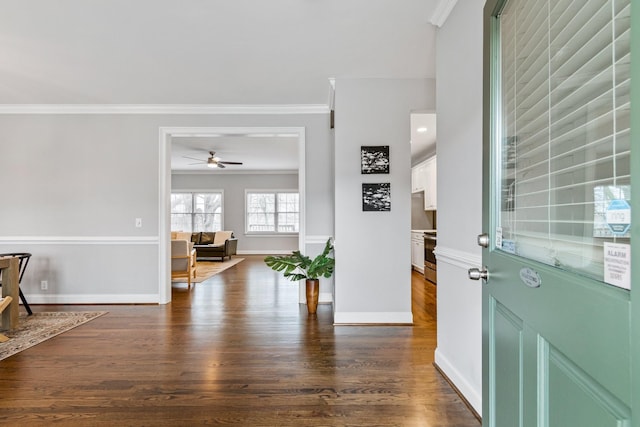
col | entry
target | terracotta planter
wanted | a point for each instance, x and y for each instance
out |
(313, 290)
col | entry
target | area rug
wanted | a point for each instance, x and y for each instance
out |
(40, 327)
(207, 269)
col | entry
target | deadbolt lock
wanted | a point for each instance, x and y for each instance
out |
(483, 240)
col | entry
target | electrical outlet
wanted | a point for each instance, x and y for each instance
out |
(44, 285)
(138, 222)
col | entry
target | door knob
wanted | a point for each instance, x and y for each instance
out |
(483, 240)
(477, 274)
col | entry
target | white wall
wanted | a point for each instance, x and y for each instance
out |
(76, 183)
(459, 150)
(373, 249)
(233, 187)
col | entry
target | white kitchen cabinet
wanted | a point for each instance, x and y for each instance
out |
(430, 186)
(417, 251)
(418, 177)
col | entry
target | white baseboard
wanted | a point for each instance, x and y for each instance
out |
(94, 299)
(347, 318)
(473, 396)
(325, 297)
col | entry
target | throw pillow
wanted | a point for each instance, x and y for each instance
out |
(206, 237)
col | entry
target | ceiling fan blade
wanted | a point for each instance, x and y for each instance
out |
(193, 158)
(230, 163)
(221, 166)
(198, 163)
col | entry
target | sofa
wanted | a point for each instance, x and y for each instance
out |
(210, 244)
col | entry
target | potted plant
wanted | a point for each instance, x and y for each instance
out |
(297, 267)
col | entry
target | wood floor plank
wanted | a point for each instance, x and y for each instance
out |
(236, 349)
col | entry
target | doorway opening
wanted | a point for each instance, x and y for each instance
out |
(166, 135)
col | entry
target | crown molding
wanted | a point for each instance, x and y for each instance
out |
(442, 11)
(162, 109)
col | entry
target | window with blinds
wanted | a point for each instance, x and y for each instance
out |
(564, 129)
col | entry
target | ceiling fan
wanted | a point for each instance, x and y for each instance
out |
(213, 161)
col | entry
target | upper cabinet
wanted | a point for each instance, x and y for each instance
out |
(423, 178)
(418, 177)
(431, 187)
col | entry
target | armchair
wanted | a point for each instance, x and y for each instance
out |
(183, 260)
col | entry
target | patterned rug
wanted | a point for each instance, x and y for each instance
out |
(40, 327)
(208, 269)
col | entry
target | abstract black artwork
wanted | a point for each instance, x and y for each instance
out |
(376, 197)
(374, 159)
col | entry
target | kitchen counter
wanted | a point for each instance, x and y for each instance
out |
(423, 231)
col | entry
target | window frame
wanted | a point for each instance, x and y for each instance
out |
(275, 192)
(193, 193)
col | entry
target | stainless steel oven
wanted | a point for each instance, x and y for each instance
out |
(430, 270)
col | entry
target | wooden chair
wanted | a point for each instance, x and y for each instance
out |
(8, 302)
(183, 260)
(4, 303)
(23, 260)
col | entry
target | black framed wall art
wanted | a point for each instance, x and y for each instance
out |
(376, 197)
(374, 159)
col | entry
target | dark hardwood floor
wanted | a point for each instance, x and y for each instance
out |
(235, 350)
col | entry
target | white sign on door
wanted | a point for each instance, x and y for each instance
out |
(617, 264)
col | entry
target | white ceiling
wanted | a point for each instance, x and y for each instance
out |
(209, 52)
(256, 152)
(423, 144)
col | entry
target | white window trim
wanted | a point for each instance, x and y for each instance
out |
(269, 233)
(200, 191)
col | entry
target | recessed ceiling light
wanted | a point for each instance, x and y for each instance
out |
(421, 130)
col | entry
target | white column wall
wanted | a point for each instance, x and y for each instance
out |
(459, 151)
(373, 249)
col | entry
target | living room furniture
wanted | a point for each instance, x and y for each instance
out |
(10, 270)
(23, 260)
(183, 260)
(218, 244)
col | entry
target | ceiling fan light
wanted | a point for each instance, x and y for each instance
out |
(212, 165)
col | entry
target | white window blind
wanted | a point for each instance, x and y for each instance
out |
(564, 109)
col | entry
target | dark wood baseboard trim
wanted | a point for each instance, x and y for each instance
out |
(453, 386)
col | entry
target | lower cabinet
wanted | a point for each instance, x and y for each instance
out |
(417, 251)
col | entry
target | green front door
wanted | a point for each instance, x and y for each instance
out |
(558, 325)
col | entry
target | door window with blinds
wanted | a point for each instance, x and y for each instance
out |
(564, 166)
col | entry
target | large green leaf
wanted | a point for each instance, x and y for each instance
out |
(297, 266)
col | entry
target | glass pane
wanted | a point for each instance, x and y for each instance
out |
(287, 202)
(261, 202)
(288, 222)
(196, 211)
(181, 202)
(564, 131)
(207, 222)
(261, 222)
(181, 222)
